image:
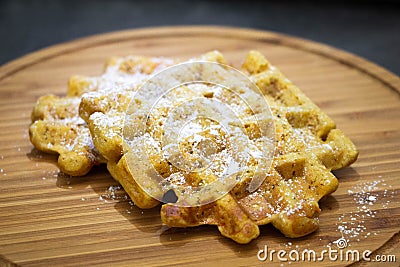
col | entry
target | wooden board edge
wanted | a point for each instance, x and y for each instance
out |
(388, 78)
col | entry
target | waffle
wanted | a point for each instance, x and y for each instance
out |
(57, 129)
(307, 148)
(56, 125)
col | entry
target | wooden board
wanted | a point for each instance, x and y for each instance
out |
(49, 219)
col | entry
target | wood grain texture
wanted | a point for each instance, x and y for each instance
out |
(49, 219)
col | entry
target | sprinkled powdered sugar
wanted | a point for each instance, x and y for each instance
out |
(368, 198)
(115, 89)
(114, 193)
(117, 79)
(219, 143)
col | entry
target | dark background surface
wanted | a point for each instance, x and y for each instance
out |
(370, 29)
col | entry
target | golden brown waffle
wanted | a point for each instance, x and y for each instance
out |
(308, 147)
(56, 126)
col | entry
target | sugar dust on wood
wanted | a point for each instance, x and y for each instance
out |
(367, 199)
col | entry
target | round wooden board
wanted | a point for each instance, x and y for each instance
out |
(48, 219)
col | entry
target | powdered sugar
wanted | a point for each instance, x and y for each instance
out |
(368, 198)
